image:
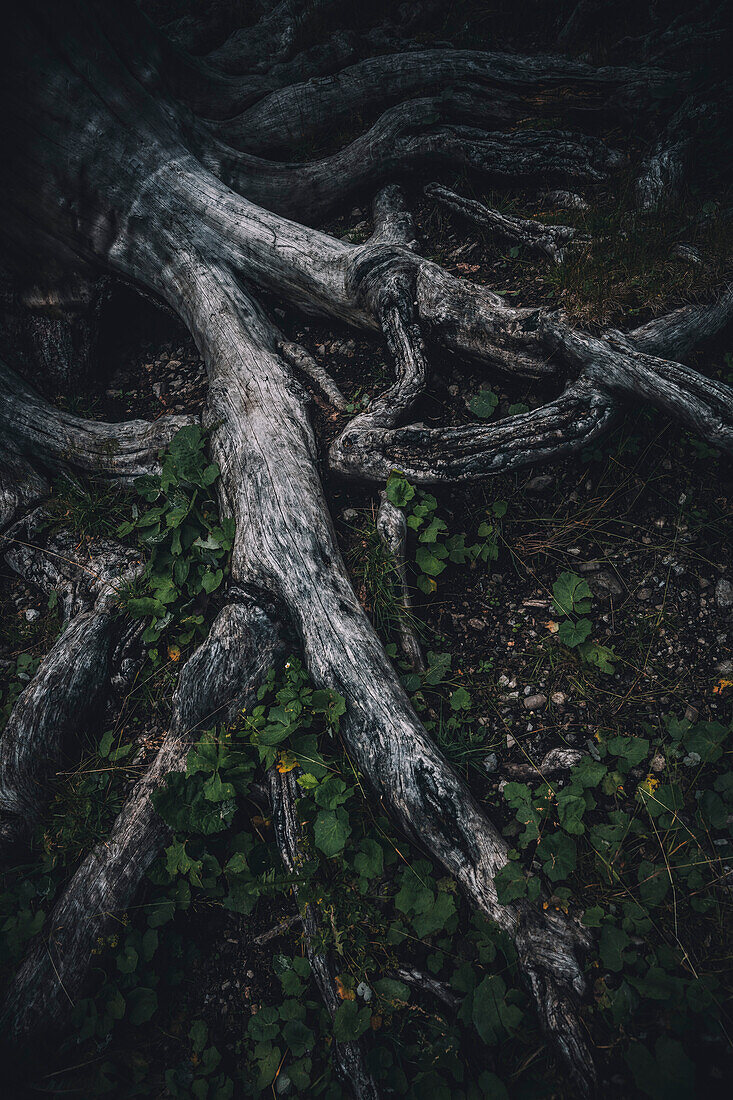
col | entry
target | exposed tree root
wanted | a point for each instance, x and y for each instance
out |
(392, 529)
(71, 684)
(348, 1057)
(219, 677)
(549, 240)
(54, 438)
(157, 204)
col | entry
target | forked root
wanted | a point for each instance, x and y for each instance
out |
(218, 678)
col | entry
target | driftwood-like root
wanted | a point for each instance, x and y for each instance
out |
(69, 689)
(392, 529)
(548, 240)
(217, 680)
(349, 1057)
(54, 438)
(162, 210)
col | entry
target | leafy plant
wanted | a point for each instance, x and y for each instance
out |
(187, 544)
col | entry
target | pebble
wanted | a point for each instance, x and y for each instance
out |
(644, 593)
(535, 702)
(658, 763)
(32, 614)
(491, 762)
(691, 713)
(540, 484)
(559, 698)
(724, 594)
(510, 741)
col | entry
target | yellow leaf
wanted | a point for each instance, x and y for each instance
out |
(287, 762)
(552, 626)
(344, 993)
(721, 686)
(174, 652)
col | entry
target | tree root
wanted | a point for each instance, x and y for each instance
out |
(218, 679)
(302, 113)
(548, 240)
(392, 529)
(57, 439)
(152, 211)
(349, 1057)
(69, 689)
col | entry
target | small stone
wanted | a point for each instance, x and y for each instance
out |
(691, 713)
(540, 484)
(32, 614)
(724, 594)
(725, 667)
(510, 741)
(560, 759)
(658, 763)
(606, 580)
(535, 702)
(559, 698)
(491, 763)
(349, 514)
(644, 593)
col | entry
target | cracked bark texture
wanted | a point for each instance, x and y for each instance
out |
(116, 167)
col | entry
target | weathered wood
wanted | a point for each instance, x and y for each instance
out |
(349, 1057)
(118, 175)
(221, 677)
(548, 240)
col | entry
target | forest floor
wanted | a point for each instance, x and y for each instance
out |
(645, 521)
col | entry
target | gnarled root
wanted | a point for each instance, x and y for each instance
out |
(72, 682)
(348, 1057)
(220, 677)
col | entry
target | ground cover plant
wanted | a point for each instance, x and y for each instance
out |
(367, 584)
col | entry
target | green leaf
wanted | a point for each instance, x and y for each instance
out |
(429, 560)
(632, 750)
(492, 1016)
(484, 403)
(593, 917)
(198, 1034)
(331, 830)
(399, 491)
(390, 989)
(142, 1003)
(668, 1074)
(706, 739)
(436, 917)
(211, 581)
(571, 595)
(559, 854)
(572, 633)
(127, 960)
(460, 699)
(571, 806)
(613, 943)
(369, 861)
(653, 883)
(298, 1036)
(599, 655)
(350, 1022)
